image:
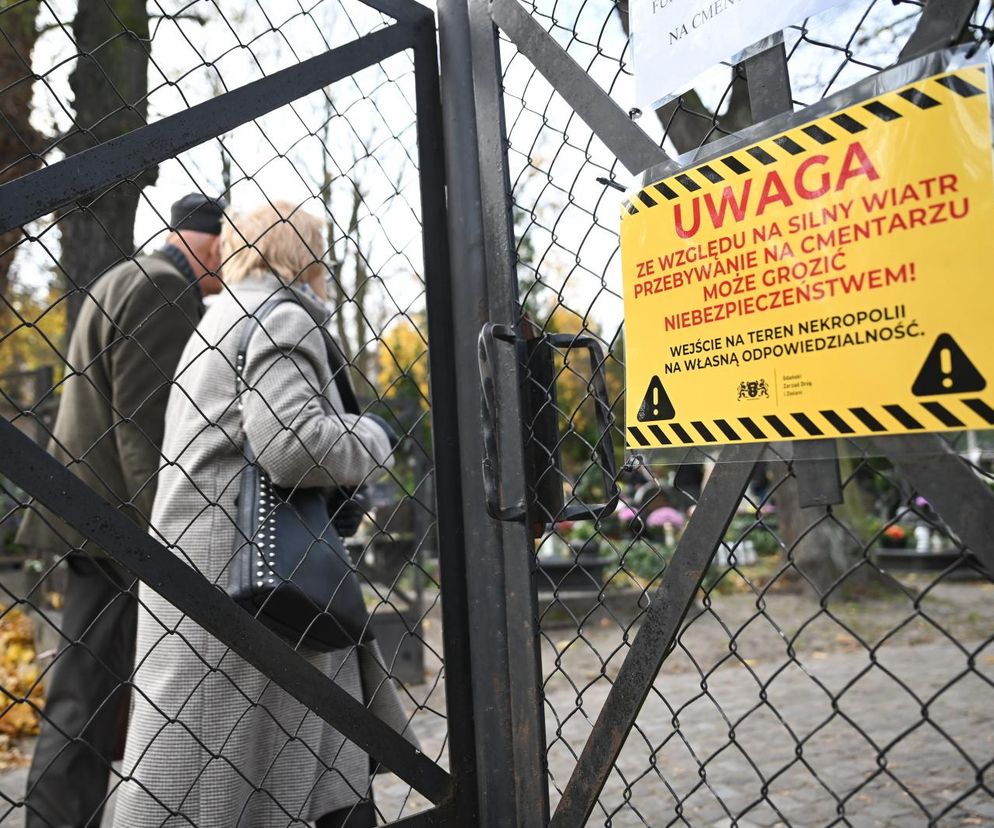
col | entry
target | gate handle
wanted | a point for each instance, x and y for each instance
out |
(490, 334)
(602, 408)
(487, 342)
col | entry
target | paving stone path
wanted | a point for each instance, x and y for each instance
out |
(884, 717)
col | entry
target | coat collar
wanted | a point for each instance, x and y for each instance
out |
(270, 285)
(177, 258)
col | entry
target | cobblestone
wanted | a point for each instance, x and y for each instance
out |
(835, 735)
(759, 742)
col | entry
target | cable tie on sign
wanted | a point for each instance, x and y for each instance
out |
(985, 36)
(632, 463)
(610, 182)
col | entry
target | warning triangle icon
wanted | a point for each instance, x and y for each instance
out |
(656, 404)
(947, 370)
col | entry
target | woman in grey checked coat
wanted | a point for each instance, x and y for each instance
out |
(211, 741)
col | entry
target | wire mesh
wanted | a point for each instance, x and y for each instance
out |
(835, 666)
(322, 192)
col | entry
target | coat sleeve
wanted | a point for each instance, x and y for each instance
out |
(156, 323)
(296, 436)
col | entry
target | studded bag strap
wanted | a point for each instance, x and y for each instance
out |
(253, 323)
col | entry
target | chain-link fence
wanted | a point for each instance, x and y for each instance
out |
(835, 667)
(835, 663)
(167, 394)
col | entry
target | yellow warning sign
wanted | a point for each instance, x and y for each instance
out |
(834, 280)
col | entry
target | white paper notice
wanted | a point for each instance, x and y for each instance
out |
(677, 40)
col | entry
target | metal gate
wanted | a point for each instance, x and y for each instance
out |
(575, 662)
(343, 102)
(712, 673)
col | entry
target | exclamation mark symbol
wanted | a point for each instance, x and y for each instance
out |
(946, 367)
(656, 403)
(653, 397)
(947, 370)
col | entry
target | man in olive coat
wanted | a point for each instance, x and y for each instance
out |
(127, 341)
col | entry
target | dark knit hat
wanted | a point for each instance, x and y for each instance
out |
(198, 212)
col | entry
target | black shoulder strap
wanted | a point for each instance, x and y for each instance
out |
(339, 368)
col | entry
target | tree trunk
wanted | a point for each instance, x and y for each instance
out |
(225, 172)
(336, 290)
(824, 549)
(109, 85)
(217, 89)
(20, 143)
(362, 279)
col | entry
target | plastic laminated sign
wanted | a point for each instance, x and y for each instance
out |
(830, 280)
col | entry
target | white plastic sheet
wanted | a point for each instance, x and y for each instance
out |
(676, 40)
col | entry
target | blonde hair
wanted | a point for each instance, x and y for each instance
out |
(278, 238)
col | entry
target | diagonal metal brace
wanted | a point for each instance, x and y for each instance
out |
(656, 636)
(941, 25)
(43, 477)
(955, 492)
(443, 816)
(403, 11)
(91, 171)
(609, 122)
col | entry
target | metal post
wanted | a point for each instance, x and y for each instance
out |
(958, 495)
(525, 661)
(769, 83)
(502, 635)
(446, 443)
(43, 380)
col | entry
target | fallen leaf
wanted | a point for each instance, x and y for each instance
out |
(20, 719)
(19, 674)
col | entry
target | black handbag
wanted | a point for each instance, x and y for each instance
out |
(290, 568)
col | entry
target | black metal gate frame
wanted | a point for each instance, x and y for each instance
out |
(81, 178)
(965, 503)
(496, 742)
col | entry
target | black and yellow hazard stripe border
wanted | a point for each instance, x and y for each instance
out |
(957, 414)
(925, 416)
(926, 94)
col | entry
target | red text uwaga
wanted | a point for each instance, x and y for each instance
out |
(812, 180)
